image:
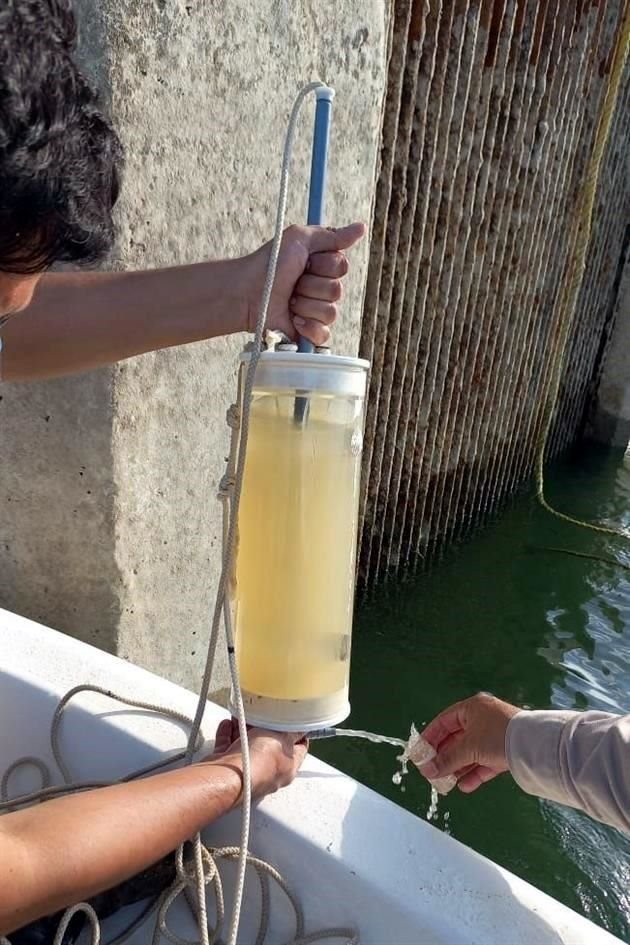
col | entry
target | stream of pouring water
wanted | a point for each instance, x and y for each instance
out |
(403, 759)
(371, 737)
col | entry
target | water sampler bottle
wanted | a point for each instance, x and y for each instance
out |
(295, 567)
(297, 527)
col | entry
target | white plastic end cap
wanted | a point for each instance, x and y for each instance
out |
(325, 92)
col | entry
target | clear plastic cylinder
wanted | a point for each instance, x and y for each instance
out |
(297, 534)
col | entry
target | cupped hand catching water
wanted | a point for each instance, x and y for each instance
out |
(469, 740)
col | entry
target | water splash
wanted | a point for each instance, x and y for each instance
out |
(415, 749)
(432, 813)
(410, 753)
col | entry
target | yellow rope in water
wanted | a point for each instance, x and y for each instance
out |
(580, 236)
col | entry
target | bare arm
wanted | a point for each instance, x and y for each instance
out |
(67, 850)
(79, 321)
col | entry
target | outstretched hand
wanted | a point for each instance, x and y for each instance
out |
(469, 740)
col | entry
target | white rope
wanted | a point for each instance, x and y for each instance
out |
(192, 877)
(87, 909)
(73, 787)
(222, 604)
(187, 872)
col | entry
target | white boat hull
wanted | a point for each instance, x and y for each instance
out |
(352, 857)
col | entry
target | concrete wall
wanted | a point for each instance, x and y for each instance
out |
(610, 422)
(109, 524)
(490, 120)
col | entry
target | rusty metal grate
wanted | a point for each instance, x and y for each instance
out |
(489, 119)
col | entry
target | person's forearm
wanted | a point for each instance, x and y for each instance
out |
(79, 321)
(72, 848)
(581, 759)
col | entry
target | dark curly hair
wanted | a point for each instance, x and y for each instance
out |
(60, 158)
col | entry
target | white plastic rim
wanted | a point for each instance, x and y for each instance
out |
(325, 92)
(293, 371)
(295, 715)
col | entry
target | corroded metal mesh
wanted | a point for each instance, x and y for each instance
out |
(489, 120)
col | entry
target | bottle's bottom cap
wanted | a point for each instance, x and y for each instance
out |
(294, 715)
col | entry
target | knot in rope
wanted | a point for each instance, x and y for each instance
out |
(233, 417)
(226, 486)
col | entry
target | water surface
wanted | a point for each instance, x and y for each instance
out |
(537, 628)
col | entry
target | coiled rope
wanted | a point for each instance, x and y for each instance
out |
(193, 876)
(187, 871)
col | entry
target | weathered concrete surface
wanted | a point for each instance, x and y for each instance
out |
(611, 417)
(109, 521)
(492, 109)
(57, 506)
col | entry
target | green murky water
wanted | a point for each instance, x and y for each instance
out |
(536, 628)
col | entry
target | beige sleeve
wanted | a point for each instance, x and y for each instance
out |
(581, 759)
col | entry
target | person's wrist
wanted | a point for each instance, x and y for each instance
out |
(223, 296)
(231, 767)
(241, 277)
(487, 721)
(505, 713)
(508, 732)
(251, 278)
